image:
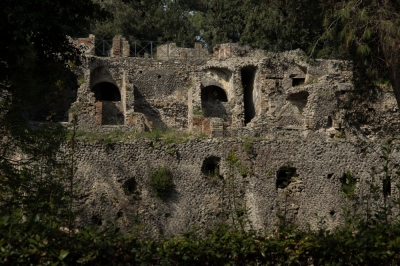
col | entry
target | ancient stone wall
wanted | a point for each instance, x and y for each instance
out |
(248, 96)
(296, 126)
(115, 181)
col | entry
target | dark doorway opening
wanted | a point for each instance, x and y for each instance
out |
(248, 77)
(213, 93)
(106, 91)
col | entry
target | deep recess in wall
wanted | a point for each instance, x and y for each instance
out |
(213, 93)
(387, 186)
(210, 166)
(284, 176)
(297, 81)
(299, 99)
(96, 220)
(130, 186)
(329, 123)
(248, 77)
(212, 99)
(106, 91)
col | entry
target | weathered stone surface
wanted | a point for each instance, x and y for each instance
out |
(316, 188)
(299, 114)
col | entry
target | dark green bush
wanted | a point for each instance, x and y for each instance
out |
(161, 182)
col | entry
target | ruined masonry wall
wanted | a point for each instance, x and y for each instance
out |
(307, 115)
(156, 89)
(103, 172)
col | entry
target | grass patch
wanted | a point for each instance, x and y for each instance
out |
(198, 112)
(168, 136)
(106, 138)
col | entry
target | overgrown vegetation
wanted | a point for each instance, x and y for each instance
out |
(161, 182)
(248, 145)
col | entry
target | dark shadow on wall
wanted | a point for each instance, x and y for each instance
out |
(248, 77)
(141, 105)
(212, 101)
(112, 114)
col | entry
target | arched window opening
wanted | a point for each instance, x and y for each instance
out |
(213, 93)
(106, 91)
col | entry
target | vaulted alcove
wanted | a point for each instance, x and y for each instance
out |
(212, 101)
(213, 93)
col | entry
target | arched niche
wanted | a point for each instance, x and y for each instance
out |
(213, 93)
(213, 101)
(106, 91)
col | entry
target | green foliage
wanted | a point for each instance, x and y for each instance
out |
(161, 182)
(367, 33)
(198, 112)
(348, 185)
(81, 80)
(268, 174)
(148, 20)
(248, 145)
(340, 134)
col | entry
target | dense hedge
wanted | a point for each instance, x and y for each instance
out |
(38, 242)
